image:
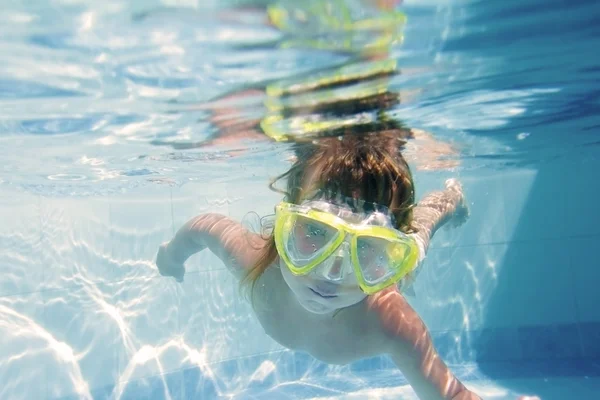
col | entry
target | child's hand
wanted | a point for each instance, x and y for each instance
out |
(461, 214)
(168, 265)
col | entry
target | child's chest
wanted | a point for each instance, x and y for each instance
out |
(350, 335)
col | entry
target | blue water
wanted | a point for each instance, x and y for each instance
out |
(104, 155)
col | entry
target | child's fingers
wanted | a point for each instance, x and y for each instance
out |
(453, 183)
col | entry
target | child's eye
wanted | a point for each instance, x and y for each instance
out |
(314, 230)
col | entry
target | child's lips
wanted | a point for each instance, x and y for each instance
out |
(325, 296)
(325, 289)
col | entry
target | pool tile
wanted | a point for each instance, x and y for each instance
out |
(590, 339)
(526, 291)
(585, 267)
(582, 210)
(453, 346)
(455, 285)
(149, 308)
(497, 344)
(85, 321)
(204, 383)
(524, 192)
(162, 387)
(28, 353)
(76, 242)
(550, 342)
(21, 244)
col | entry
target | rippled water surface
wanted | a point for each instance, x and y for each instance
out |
(103, 88)
(115, 128)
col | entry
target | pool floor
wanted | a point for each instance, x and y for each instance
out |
(546, 389)
(549, 380)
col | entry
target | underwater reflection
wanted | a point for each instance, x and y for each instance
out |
(357, 96)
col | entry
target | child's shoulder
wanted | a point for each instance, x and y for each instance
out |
(394, 315)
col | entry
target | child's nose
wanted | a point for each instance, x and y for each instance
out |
(343, 251)
(339, 267)
(335, 272)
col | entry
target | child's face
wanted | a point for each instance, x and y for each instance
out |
(331, 285)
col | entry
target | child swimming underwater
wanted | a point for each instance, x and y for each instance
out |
(346, 237)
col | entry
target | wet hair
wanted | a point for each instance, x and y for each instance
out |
(368, 167)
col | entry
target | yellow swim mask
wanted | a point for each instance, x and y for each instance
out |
(308, 235)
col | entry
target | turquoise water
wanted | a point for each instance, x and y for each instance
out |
(106, 151)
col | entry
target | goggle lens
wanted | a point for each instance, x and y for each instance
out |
(379, 257)
(306, 238)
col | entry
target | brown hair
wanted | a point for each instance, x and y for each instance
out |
(370, 166)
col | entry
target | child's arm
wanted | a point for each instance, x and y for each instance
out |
(411, 348)
(238, 248)
(429, 153)
(436, 209)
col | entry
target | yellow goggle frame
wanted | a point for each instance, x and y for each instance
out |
(286, 215)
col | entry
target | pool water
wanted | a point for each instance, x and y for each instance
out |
(112, 139)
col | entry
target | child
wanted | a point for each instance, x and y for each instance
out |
(346, 235)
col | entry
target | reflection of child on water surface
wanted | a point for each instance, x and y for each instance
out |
(352, 96)
(341, 113)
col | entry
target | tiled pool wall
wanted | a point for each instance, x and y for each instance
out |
(83, 308)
